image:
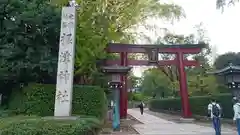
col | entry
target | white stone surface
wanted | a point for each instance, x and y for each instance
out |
(64, 86)
(153, 125)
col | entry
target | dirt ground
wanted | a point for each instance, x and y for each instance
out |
(125, 127)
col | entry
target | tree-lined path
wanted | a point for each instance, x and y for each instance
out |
(153, 125)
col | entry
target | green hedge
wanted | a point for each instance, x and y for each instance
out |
(39, 126)
(38, 99)
(198, 104)
(132, 96)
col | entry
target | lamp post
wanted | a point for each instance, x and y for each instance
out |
(231, 76)
(115, 85)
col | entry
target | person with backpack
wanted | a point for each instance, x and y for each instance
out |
(236, 109)
(214, 111)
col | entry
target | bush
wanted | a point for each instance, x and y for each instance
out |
(198, 104)
(90, 100)
(39, 126)
(130, 96)
(38, 99)
(138, 97)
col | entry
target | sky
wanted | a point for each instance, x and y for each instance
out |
(222, 28)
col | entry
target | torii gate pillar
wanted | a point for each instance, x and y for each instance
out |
(186, 111)
(123, 92)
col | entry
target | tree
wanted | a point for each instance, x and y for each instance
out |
(223, 60)
(202, 85)
(220, 4)
(32, 31)
(133, 81)
(199, 83)
(171, 71)
(155, 82)
(101, 22)
(29, 34)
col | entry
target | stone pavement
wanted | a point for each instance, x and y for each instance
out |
(153, 125)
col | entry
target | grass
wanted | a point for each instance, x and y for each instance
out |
(21, 118)
(35, 125)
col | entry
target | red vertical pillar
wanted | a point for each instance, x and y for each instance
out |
(183, 86)
(123, 92)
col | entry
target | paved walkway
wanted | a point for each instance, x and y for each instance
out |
(153, 125)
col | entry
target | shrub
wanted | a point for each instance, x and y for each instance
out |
(89, 100)
(38, 99)
(39, 126)
(198, 104)
(7, 113)
(130, 96)
(139, 97)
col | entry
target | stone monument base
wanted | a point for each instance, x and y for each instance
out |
(61, 117)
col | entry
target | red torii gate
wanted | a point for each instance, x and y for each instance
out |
(153, 50)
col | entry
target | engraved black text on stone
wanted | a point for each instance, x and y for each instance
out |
(65, 57)
(62, 96)
(69, 25)
(68, 16)
(66, 39)
(64, 76)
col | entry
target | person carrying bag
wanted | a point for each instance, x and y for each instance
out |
(215, 111)
(236, 117)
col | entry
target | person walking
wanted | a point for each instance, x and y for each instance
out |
(214, 111)
(141, 106)
(236, 109)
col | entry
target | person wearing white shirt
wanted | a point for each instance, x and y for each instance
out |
(214, 111)
(236, 109)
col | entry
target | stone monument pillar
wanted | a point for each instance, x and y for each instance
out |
(64, 86)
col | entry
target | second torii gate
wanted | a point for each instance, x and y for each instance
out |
(153, 53)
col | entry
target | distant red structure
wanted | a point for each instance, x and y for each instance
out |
(153, 53)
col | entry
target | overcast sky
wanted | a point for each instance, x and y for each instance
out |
(222, 28)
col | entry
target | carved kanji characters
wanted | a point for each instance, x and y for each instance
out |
(62, 96)
(65, 57)
(66, 39)
(68, 16)
(64, 76)
(69, 25)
